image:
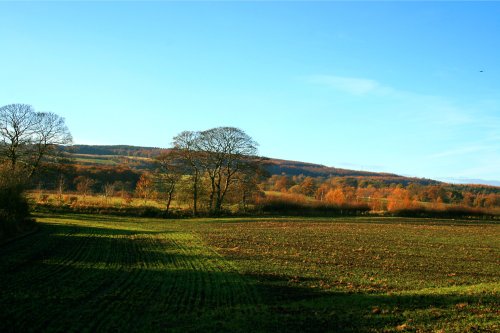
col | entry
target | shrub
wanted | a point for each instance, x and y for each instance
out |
(298, 205)
(72, 200)
(143, 211)
(446, 212)
(43, 198)
(14, 208)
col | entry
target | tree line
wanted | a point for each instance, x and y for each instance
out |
(205, 167)
(205, 171)
(380, 196)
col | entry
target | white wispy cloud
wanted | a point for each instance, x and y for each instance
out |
(351, 85)
(487, 170)
(462, 180)
(415, 107)
(488, 145)
(460, 151)
(451, 138)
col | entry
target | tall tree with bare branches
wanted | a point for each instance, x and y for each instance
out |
(27, 136)
(168, 175)
(219, 154)
(186, 151)
(227, 150)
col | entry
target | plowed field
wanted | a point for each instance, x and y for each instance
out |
(85, 273)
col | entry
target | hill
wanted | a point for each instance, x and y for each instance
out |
(141, 158)
(294, 168)
(114, 150)
(284, 185)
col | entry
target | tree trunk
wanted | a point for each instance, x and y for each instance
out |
(195, 193)
(221, 193)
(212, 193)
(170, 195)
(169, 200)
(244, 201)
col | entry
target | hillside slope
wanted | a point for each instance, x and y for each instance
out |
(141, 158)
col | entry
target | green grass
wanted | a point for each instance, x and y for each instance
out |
(99, 161)
(101, 273)
(108, 159)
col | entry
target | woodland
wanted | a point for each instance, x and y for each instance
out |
(204, 173)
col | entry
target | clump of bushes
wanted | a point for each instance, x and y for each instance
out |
(300, 206)
(14, 207)
(446, 212)
(144, 211)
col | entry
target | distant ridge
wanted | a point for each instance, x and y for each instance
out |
(471, 181)
(118, 150)
(309, 169)
(294, 168)
(274, 166)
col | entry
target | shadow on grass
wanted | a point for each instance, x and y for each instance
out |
(91, 217)
(301, 309)
(58, 280)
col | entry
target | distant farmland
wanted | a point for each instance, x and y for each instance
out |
(102, 273)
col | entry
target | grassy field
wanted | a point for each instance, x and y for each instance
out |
(98, 200)
(101, 273)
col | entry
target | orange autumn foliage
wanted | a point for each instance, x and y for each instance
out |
(335, 196)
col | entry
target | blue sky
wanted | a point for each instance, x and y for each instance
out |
(389, 86)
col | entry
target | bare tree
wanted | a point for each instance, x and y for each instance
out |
(28, 136)
(219, 154)
(168, 175)
(227, 150)
(145, 187)
(61, 185)
(109, 191)
(246, 187)
(186, 151)
(84, 185)
(51, 132)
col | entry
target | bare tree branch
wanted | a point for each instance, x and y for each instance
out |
(28, 136)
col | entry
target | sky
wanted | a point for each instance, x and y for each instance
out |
(411, 88)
